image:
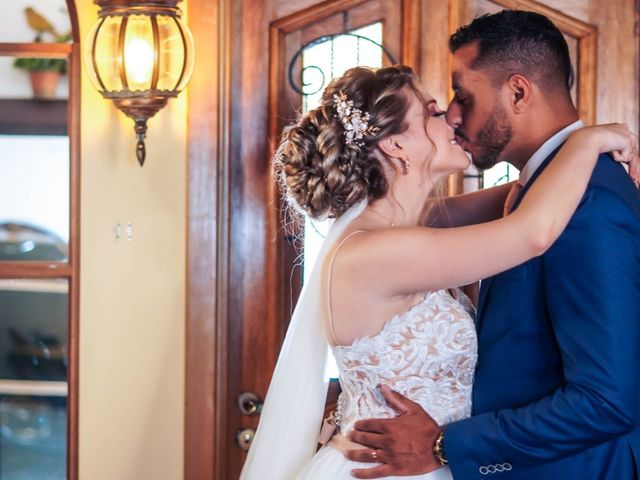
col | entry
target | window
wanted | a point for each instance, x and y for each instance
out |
(499, 174)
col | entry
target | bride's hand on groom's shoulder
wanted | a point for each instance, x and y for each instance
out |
(616, 138)
(401, 446)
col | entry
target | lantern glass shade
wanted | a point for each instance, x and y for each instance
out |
(173, 54)
(101, 54)
(139, 53)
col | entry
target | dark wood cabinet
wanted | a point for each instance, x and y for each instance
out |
(33, 117)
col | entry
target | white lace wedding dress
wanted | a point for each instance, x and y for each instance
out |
(428, 354)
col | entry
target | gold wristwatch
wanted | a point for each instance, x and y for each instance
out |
(438, 450)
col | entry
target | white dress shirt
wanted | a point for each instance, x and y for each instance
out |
(545, 150)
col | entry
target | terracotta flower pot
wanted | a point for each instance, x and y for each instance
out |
(44, 84)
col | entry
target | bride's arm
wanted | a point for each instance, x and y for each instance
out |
(468, 208)
(408, 260)
(479, 206)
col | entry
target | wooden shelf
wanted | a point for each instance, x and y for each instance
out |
(33, 117)
(40, 388)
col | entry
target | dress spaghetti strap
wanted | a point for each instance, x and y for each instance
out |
(333, 339)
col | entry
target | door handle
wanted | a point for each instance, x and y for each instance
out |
(249, 403)
(245, 437)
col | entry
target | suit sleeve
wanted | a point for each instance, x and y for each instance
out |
(592, 289)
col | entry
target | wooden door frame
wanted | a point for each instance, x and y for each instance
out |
(209, 127)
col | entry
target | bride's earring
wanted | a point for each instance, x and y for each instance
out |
(404, 166)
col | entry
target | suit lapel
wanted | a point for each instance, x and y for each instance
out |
(482, 298)
(485, 286)
(534, 177)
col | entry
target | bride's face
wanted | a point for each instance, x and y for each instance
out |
(430, 140)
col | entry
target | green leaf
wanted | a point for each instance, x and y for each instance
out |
(41, 64)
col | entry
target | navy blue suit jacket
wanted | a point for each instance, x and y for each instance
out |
(557, 386)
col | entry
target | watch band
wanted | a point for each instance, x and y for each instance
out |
(438, 450)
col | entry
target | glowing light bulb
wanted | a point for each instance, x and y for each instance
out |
(138, 60)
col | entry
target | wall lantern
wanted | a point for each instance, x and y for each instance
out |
(139, 54)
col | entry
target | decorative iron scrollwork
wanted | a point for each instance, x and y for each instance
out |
(312, 87)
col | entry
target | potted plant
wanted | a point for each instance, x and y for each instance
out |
(44, 72)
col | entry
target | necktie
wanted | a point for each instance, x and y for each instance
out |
(511, 198)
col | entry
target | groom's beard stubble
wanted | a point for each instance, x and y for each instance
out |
(492, 140)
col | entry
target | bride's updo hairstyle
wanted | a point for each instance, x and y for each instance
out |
(323, 172)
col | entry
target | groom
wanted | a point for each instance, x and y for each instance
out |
(557, 387)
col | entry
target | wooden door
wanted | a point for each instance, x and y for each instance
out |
(240, 263)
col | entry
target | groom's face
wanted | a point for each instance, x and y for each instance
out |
(476, 112)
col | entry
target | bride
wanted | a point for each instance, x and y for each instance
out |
(382, 294)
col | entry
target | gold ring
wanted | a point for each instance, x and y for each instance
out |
(374, 454)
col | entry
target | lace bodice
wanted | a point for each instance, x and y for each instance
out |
(427, 353)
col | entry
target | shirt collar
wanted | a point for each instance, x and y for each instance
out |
(545, 150)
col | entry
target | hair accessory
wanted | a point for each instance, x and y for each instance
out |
(355, 121)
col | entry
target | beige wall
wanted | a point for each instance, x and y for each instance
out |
(132, 293)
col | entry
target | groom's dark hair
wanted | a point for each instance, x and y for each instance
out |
(517, 41)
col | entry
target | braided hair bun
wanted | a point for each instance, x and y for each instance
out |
(323, 172)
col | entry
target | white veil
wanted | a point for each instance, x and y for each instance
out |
(292, 414)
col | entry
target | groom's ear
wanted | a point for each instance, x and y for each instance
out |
(391, 146)
(520, 89)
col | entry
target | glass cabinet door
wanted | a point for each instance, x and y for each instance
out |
(38, 225)
(33, 378)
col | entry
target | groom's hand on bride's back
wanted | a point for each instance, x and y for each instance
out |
(402, 445)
